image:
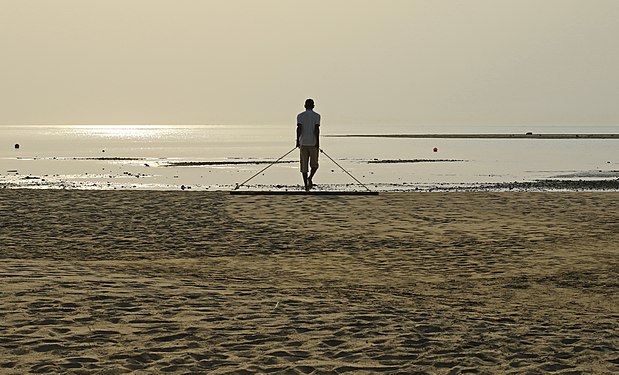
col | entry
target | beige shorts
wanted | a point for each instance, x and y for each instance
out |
(309, 154)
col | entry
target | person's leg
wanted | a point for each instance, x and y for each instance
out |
(313, 159)
(305, 157)
(310, 183)
(312, 173)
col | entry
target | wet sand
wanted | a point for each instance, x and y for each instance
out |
(484, 136)
(112, 282)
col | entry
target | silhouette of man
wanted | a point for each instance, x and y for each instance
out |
(308, 141)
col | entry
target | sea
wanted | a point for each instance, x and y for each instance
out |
(224, 157)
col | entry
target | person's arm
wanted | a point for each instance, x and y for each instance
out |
(317, 132)
(298, 135)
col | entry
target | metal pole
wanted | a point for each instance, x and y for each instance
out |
(353, 177)
(264, 169)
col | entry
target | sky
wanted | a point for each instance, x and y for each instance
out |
(447, 62)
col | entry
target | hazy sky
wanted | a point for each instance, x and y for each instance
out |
(255, 61)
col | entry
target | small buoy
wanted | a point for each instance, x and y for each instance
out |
(435, 149)
(17, 146)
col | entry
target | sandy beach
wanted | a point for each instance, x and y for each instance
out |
(114, 282)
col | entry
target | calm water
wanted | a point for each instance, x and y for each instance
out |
(145, 157)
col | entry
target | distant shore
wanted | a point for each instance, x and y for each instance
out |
(482, 136)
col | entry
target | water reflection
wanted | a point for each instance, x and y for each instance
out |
(125, 131)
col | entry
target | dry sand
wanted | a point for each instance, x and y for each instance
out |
(195, 282)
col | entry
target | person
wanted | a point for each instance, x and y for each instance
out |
(308, 142)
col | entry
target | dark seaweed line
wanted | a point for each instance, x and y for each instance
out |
(481, 136)
(394, 161)
(201, 163)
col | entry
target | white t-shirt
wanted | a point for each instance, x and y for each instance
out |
(308, 120)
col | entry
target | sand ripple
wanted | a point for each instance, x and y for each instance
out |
(173, 282)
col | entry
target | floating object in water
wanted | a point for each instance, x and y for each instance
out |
(435, 149)
(17, 146)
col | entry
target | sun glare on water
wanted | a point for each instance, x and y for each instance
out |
(125, 131)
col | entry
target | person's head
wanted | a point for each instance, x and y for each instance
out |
(309, 104)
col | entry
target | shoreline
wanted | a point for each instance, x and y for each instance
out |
(482, 136)
(546, 185)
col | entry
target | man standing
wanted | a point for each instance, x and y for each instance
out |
(308, 132)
